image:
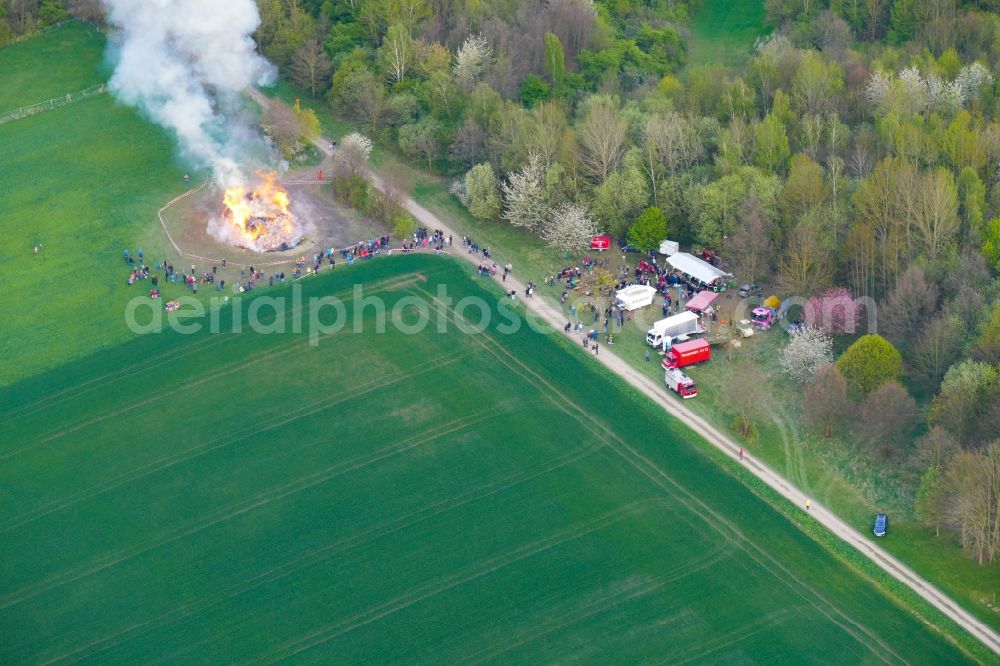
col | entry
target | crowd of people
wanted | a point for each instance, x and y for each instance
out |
(422, 239)
(647, 272)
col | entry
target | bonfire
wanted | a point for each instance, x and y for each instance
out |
(259, 218)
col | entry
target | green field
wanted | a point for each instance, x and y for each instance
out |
(84, 181)
(431, 497)
(724, 31)
(58, 61)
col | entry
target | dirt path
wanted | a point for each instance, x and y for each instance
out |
(655, 390)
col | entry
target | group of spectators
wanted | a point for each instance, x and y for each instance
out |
(474, 248)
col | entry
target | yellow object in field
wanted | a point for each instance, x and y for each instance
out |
(772, 302)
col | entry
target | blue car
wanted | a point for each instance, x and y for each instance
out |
(881, 524)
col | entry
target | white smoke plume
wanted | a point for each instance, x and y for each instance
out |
(185, 63)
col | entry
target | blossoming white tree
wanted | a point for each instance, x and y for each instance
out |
(353, 154)
(569, 228)
(524, 199)
(808, 349)
(470, 60)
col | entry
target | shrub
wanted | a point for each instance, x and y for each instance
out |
(868, 363)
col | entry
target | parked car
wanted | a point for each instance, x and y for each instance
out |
(881, 524)
(748, 289)
(627, 247)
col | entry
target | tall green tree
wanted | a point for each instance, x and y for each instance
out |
(483, 192)
(991, 243)
(964, 404)
(803, 189)
(817, 83)
(648, 229)
(555, 59)
(715, 208)
(928, 502)
(396, 55)
(770, 149)
(904, 20)
(972, 200)
(620, 198)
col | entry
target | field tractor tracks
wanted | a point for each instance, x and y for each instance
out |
(234, 437)
(244, 506)
(444, 584)
(320, 555)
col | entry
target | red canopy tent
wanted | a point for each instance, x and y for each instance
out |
(701, 301)
(600, 242)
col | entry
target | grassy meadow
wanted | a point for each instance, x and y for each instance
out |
(83, 182)
(58, 61)
(397, 498)
(724, 31)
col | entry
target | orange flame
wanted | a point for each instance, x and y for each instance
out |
(261, 215)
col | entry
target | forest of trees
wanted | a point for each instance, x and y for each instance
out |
(855, 154)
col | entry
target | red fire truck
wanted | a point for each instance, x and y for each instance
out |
(688, 353)
(680, 383)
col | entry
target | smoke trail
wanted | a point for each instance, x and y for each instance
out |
(185, 62)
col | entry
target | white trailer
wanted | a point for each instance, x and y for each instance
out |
(666, 330)
(669, 247)
(635, 297)
(680, 383)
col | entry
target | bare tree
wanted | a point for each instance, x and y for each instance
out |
(310, 66)
(468, 143)
(970, 501)
(743, 396)
(824, 400)
(860, 248)
(750, 246)
(602, 136)
(282, 125)
(888, 414)
(908, 307)
(670, 142)
(805, 265)
(86, 10)
(938, 346)
(937, 220)
(573, 22)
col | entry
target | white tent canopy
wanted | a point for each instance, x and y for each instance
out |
(696, 268)
(635, 296)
